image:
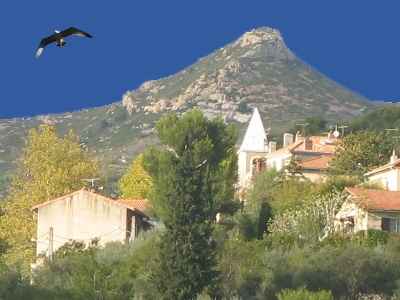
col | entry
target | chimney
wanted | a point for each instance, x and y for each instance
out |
(271, 147)
(394, 157)
(287, 139)
(308, 144)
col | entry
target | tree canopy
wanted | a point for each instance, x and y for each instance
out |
(360, 152)
(194, 175)
(49, 167)
(136, 183)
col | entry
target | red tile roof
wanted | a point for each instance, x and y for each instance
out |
(139, 204)
(316, 163)
(375, 200)
(320, 144)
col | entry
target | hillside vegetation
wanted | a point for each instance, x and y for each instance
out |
(256, 70)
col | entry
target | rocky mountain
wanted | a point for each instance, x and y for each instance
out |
(258, 69)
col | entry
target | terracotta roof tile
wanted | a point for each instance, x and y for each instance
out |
(140, 204)
(316, 163)
(375, 200)
(320, 144)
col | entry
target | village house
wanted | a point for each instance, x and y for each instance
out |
(313, 153)
(369, 209)
(85, 216)
(316, 169)
(388, 175)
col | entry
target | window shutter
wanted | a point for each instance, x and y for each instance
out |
(386, 224)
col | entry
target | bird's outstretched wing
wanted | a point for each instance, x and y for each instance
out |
(44, 42)
(74, 31)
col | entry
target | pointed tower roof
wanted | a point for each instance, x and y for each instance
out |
(255, 138)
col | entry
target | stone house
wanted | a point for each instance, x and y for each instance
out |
(84, 216)
(369, 209)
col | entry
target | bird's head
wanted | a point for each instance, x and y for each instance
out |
(57, 31)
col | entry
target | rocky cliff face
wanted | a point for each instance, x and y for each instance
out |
(256, 70)
(259, 70)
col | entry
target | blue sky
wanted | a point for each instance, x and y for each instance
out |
(356, 43)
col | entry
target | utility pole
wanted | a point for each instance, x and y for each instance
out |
(51, 243)
(91, 181)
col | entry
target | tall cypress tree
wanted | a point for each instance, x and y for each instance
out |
(193, 177)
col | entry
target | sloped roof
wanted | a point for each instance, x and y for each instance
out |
(286, 150)
(375, 200)
(138, 205)
(320, 144)
(388, 166)
(316, 163)
(255, 139)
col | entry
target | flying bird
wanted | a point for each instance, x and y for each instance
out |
(59, 38)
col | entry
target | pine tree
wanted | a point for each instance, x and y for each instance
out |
(193, 181)
(50, 167)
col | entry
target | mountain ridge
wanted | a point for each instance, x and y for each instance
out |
(255, 70)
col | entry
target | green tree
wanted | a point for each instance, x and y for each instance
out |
(378, 120)
(193, 180)
(242, 268)
(50, 166)
(116, 271)
(136, 183)
(243, 107)
(312, 126)
(294, 168)
(360, 152)
(311, 222)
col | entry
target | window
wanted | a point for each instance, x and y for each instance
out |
(258, 165)
(391, 224)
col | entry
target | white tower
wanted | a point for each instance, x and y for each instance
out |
(254, 146)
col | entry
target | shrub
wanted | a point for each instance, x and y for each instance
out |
(303, 294)
(372, 237)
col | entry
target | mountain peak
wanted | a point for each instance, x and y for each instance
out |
(264, 42)
(259, 36)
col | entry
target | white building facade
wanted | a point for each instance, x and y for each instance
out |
(253, 150)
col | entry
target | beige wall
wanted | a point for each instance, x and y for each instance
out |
(82, 216)
(278, 160)
(363, 220)
(389, 180)
(349, 209)
(374, 221)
